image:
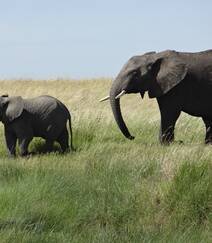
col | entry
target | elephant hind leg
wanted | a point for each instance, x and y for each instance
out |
(23, 144)
(63, 140)
(49, 145)
(208, 127)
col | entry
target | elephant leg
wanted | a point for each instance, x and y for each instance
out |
(11, 140)
(170, 109)
(63, 140)
(166, 135)
(23, 145)
(24, 132)
(208, 135)
(49, 145)
(168, 121)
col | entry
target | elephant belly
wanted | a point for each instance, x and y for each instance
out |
(47, 131)
(198, 101)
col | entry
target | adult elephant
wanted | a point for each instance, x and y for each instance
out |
(180, 81)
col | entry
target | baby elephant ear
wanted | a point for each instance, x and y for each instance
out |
(171, 72)
(14, 108)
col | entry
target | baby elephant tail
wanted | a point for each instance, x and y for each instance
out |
(70, 127)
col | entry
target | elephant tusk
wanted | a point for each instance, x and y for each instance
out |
(123, 92)
(105, 98)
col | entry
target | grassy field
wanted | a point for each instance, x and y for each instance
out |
(111, 189)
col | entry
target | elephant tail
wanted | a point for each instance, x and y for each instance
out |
(71, 133)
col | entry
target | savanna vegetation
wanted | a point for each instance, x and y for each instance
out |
(110, 189)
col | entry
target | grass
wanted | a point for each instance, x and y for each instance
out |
(110, 189)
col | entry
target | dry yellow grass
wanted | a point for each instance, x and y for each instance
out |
(81, 96)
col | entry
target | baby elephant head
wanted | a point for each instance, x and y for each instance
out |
(10, 107)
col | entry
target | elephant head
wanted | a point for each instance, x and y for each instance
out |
(10, 107)
(156, 73)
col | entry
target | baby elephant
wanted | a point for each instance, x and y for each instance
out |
(43, 116)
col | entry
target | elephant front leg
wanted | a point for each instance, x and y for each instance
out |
(168, 121)
(11, 140)
(208, 135)
(166, 135)
(170, 108)
(23, 145)
(24, 134)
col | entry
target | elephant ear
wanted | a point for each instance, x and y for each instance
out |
(170, 72)
(14, 108)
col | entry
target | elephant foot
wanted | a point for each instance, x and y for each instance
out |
(12, 156)
(24, 154)
(67, 150)
(166, 138)
(165, 141)
(208, 142)
(180, 142)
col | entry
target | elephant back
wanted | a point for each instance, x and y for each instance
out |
(45, 107)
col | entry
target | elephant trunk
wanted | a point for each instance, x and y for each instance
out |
(115, 105)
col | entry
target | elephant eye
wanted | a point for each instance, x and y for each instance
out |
(149, 66)
(135, 73)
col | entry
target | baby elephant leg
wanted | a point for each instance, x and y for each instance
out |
(49, 145)
(208, 127)
(63, 140)
(10, 142)
(23, 130)
(23, 145)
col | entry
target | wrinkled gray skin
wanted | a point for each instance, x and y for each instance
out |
(179, 81)
(43, 116)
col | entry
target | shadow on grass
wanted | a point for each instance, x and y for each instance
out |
(37, 147)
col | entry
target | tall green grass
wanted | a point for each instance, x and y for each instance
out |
(110, 189)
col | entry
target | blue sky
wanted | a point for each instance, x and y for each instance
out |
(88, 39)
